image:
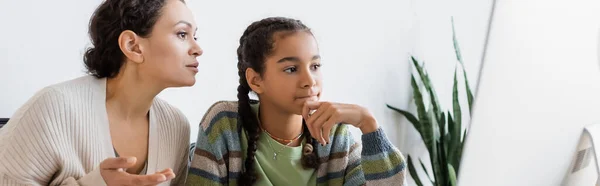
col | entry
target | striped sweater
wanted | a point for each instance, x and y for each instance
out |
(218, 158)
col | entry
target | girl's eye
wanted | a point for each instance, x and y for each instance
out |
(290, 70)
(316, 66)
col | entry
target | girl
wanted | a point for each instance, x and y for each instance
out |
(70, 133)
(288, 137)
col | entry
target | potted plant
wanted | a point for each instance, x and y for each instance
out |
(440, 130)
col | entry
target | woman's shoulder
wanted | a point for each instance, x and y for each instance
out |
(77, 87)
(51, 104)
(62, 95)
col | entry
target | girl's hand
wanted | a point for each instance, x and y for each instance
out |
(328, 114)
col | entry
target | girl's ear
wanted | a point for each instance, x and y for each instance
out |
(254, 80)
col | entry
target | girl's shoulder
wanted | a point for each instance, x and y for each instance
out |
(222, 114)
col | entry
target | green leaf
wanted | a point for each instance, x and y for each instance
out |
(456, 124)
(438, 174)
(455, 41)
(447, 148)
(425, 125)
(413, 172)
(409, 116)
(451, 175)
(434, 124)
(460, 138)
(469, 93)
(426, 173)
(456, 102)
(442, 125)
(444, 138)
(427, 128)
(451, 126)
(455, 142)
(442, 128)
(429, 87)
(457, 131)
(460, 60)
(436, 155)
(442, 165)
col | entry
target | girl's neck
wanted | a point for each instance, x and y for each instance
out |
(280, 124)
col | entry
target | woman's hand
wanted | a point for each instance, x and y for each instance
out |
(328, 114)
(113, 173)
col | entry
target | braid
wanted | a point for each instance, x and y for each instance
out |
(255, 44)
(249, 123)
(310, 159)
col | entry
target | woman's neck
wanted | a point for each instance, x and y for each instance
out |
(130, 97)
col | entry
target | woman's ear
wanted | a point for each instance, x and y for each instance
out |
(254, 80)
(129, 43)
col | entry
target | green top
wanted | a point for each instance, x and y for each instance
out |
(286, 169)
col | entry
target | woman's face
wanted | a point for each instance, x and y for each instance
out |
(170, 51)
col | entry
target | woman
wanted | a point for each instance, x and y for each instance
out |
(109, 128)
(273, 141)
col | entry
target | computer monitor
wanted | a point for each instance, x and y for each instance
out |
(539, 89)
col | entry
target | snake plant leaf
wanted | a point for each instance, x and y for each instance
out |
(460, 60)
(451, 175)
(413, 172)
(429, 87)
(426, 172)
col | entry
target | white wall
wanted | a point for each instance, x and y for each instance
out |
(540, 85)
(41, 46)
(42, 43)
(365, 47)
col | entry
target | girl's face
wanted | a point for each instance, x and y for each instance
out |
(292, 72)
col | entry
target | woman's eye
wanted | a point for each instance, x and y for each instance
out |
(182, 35)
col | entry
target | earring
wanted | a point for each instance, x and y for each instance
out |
(308, 149)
